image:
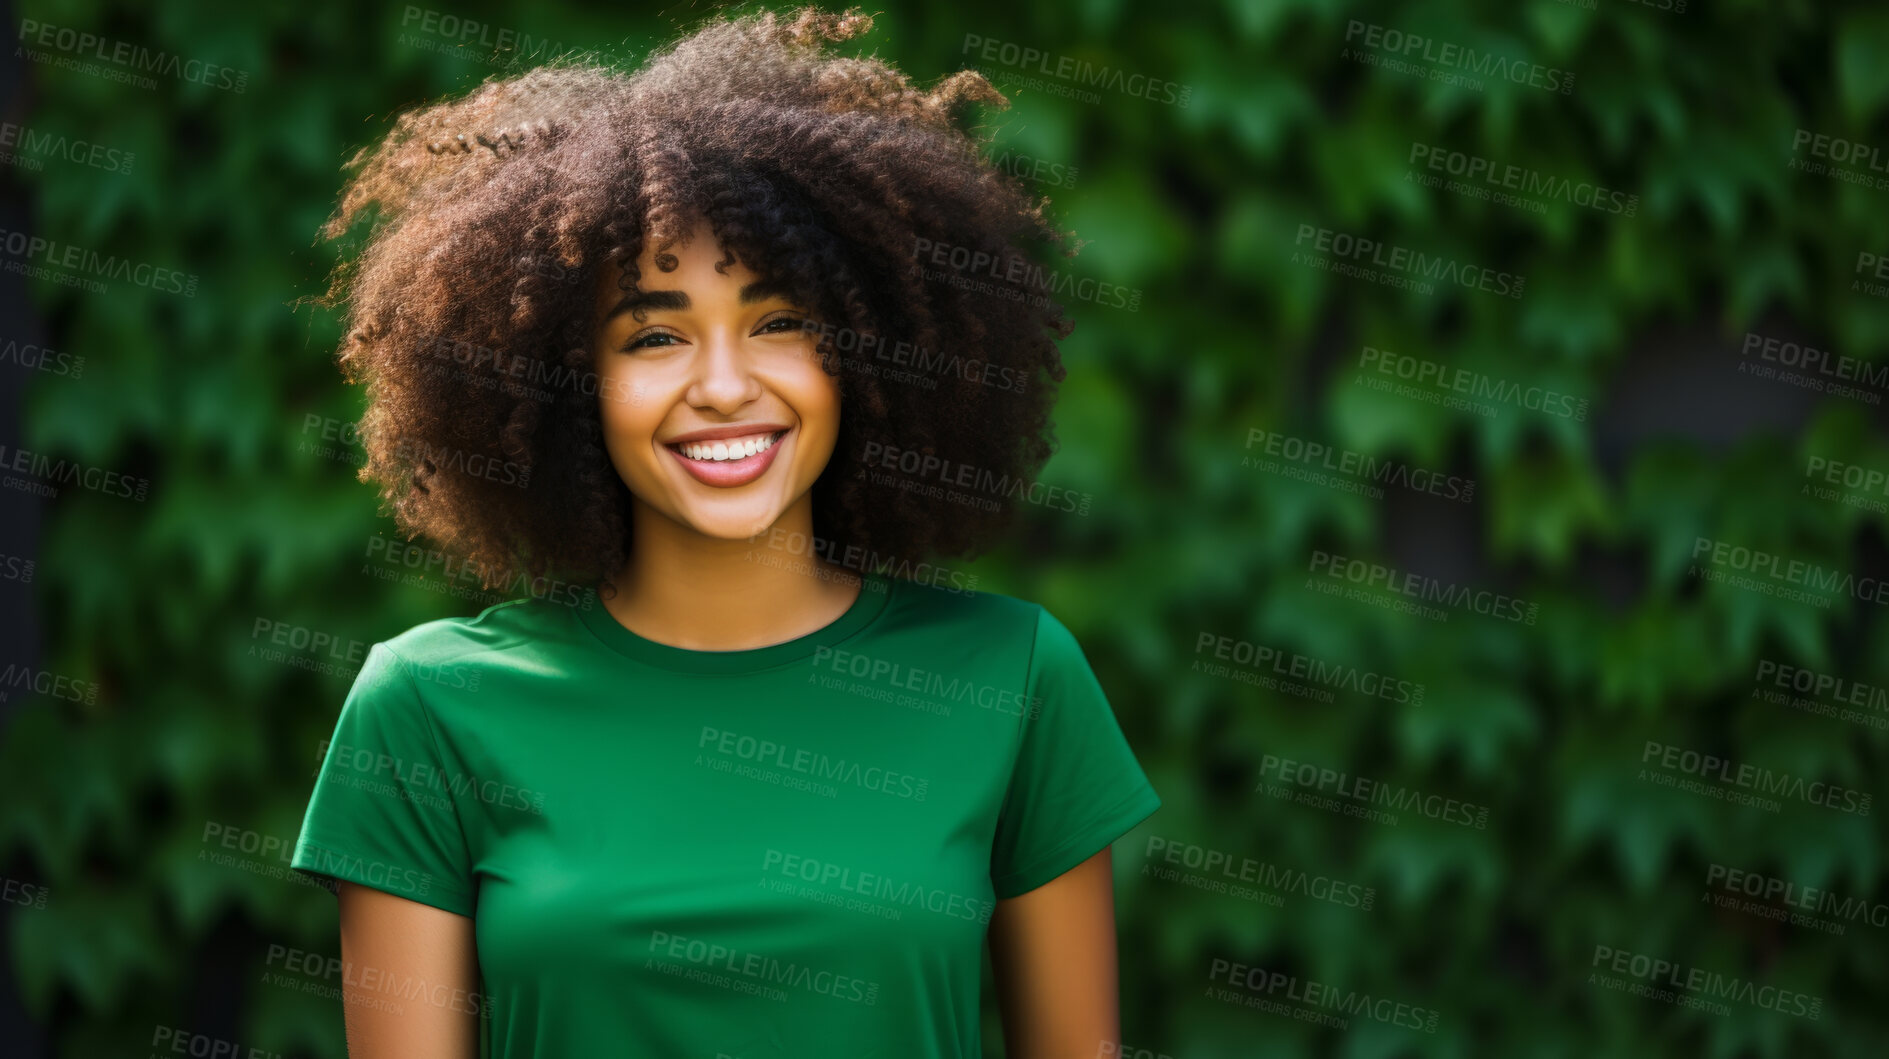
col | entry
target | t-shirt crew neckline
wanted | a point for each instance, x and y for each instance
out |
(875, 594)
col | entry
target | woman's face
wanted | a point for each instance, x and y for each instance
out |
(716, 411)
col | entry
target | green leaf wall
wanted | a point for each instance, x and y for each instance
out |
(1243, 348)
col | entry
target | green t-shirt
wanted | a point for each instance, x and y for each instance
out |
(790, 851)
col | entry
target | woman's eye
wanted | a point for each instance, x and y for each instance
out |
(649, 341)
(657, 339)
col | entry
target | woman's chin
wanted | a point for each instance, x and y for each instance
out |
(732, 525)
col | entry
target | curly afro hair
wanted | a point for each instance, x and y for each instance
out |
(469, 307)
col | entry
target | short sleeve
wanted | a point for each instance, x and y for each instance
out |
(1076, 786)
(382, 814)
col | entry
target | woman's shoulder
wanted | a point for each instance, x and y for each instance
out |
(946, 602)
(511, 628)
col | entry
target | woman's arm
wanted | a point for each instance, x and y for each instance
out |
(411, 988)
(1052, 954)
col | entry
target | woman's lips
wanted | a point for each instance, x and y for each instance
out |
(724, 473)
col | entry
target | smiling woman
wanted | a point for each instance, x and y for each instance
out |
(717, 360)
(767, 778)
(471, 310)
(728, 387)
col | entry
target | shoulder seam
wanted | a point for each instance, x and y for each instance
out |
(1023, 715)
(455, 626)
(432, 736)
(1036, 638)
(500, 605)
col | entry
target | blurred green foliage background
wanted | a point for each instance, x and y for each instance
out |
(227, 401)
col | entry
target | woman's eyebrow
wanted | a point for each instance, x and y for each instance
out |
(763, 289)
(758, 291)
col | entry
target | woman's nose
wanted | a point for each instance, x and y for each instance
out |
(724, 372)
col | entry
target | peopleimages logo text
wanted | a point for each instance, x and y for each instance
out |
(54, 254)
(1457, 57)
(1304, 667)
(1366, 790)
(1522, 180)
(1699, 982)
(128, 56)
(1420, 586)
(1795, 572)
(1751, 777)
(1078, 71)
(1345, 246)
(1808, 898)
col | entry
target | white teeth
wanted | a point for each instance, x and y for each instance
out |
(729, 449)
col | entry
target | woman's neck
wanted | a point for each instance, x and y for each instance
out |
(688, 590)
